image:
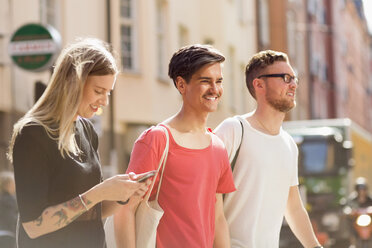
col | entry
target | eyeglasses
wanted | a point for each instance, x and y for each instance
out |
(285, 76)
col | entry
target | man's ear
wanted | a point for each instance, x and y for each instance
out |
(181, 84)
(258, 83)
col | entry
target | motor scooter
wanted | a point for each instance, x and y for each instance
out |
(361, 221)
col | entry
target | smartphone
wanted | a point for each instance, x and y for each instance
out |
(145, 177)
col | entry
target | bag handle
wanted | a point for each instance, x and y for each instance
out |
(237, 151)
(164, 158)
(162, 163)
(233, 162)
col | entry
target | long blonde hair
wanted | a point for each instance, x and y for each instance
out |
(57, 107)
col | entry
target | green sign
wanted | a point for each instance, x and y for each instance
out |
(34, 46)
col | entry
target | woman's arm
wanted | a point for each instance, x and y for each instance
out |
(117, 188)
(56, 217)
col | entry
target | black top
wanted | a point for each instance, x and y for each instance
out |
(44, 178)
(355, 204)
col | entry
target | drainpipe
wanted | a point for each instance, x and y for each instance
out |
(111, 105)
(310, 74)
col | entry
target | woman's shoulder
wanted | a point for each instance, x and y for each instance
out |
(32, 128)
(34, 134)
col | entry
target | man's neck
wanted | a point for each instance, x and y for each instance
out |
(189, 129)
(188, 121)
(268, 120)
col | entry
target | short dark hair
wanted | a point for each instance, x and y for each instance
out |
(187, 60)
(258, 63)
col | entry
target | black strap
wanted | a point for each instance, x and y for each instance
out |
(237, 151)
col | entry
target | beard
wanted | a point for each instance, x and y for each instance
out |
(282, 105)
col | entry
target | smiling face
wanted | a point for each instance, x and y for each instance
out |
(95, 94)
(204, 90)
(280, 95)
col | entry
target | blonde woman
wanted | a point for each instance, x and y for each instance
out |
(61, 196)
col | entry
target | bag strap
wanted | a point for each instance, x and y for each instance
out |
(162, 163)
(237, 151)
(164, 158)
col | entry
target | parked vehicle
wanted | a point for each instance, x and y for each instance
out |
(361, 226)
(332, 153)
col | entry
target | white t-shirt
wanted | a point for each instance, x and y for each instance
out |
(264, 171)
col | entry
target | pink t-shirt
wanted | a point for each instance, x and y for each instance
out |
(192, 177)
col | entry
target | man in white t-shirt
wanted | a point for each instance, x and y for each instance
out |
(265, 172)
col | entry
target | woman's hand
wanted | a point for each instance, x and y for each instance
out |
(109, 207)
(122, 187)
(140, 193)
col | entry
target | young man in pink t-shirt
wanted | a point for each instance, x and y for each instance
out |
(197, 171)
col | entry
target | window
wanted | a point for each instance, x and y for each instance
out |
(245, 96)
(125, 8)
(321, 154)
(264, 24)
(314, 65)
(2, 50)
(49, 14)
(342, 4)
(311, 6)
(344, 46)
(314, 155)
(161, 39)
(127, 35)
(5, 17)
(183, 36)
(232, 79)
(241, 10)
(370, 79)
(291, 33)
(126, 46)
(322, 14)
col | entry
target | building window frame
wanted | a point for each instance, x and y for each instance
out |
(264, 24)
(49, 13)
(128, 34)
(161, 39)
(183, 36)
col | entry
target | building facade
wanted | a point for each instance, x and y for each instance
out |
(351, 42)
(145, 34)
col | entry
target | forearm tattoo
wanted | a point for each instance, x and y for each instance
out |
(74, 204)
(87, 202)
(74, 208)
(39, 221)
(62, 217)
